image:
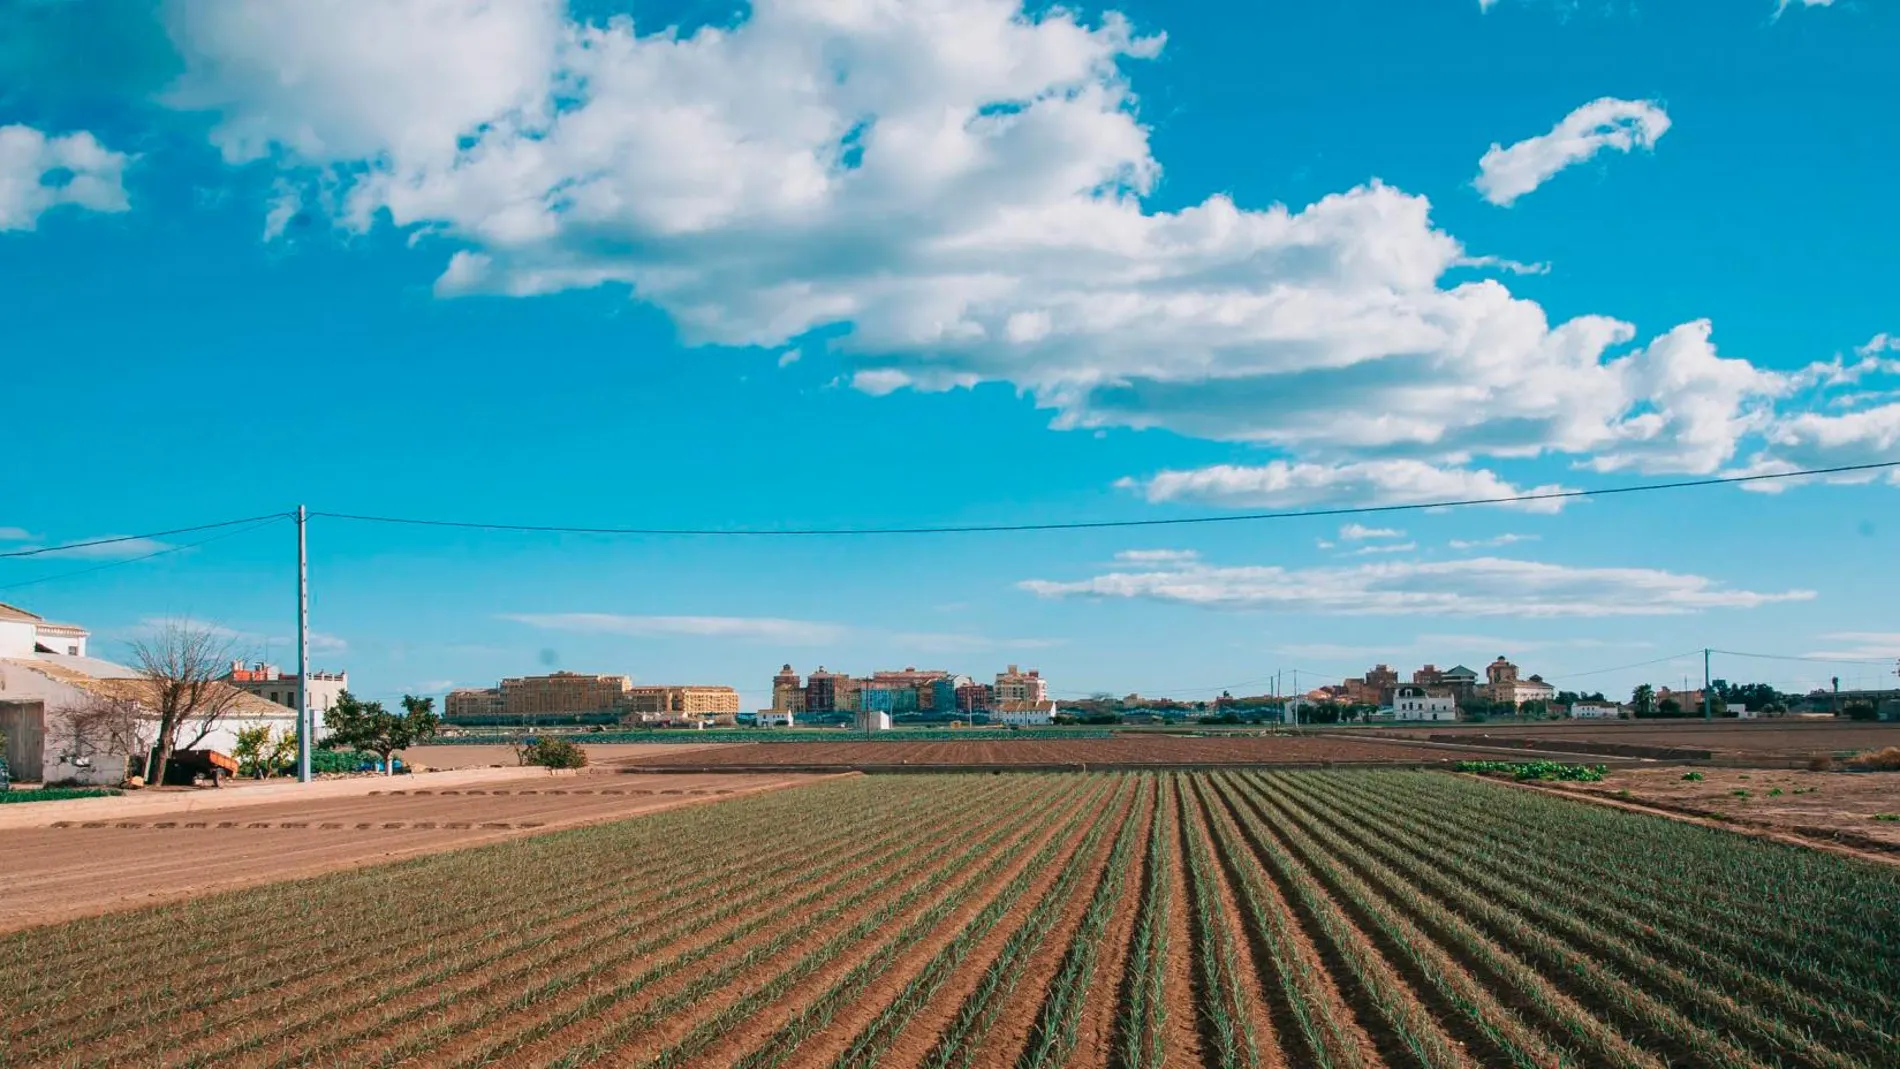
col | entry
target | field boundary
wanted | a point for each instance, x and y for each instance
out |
(1442, 764)
(1879, 854)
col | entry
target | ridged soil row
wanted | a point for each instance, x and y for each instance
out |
(959, 1010)
(638, 994)
(806, 1005)
(230, 1023)
(1238, 1029)
(1756, 1008)
(289, 925)
(1601, 1043)
(1693, 935)
(1095, 966)
(1658, 1026)
(428, 1010)
(1402, 1031)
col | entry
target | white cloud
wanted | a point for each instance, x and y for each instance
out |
(1783, 5)
(946, 192)
(1359, 532)
(764, 628)
(1860, 646)
(1506, 539)
(16, 534)
(1156, 556)
(285, 203)
(1281, 484)
(1484, 586)
(1515, 267)
(38, 173)
(1505, 174)
(1369, 551)
(124, 549)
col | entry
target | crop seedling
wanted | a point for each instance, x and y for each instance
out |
(1692, 777)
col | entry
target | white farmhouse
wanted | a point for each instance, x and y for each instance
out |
(1411, 702)
(70, 716)
(1595, 711)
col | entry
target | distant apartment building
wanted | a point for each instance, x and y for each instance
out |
(1022, 698)
(911, 690)
(566, 696)
(272, 684)
(1459, 682)
(974, 697)
(788, 692)
(1503, 687)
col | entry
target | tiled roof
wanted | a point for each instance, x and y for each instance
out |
(9, 612)
(244, 706)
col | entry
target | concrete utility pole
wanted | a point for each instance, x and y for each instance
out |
(304, 734)
(1707, 697)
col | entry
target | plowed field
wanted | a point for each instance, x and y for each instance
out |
(1127, 751)
(1243, 918)
(91, 865)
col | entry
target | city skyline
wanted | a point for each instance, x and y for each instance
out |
(1137, 274)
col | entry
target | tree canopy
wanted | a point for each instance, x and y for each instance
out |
(367, 726)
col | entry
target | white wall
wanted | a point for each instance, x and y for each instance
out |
(16, 638)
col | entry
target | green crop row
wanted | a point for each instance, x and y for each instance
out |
(1536, 770)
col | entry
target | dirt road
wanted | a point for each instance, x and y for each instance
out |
(103, 864)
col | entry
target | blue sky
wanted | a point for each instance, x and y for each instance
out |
(953, 262)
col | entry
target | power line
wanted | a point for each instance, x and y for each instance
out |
(1811, 660)
(1627, 667)
(116, 539)
(134, 560)
(1086, 525)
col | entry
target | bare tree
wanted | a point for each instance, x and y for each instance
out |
(180, 669)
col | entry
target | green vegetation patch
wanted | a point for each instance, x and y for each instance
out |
(1523, 771)
(57, 794)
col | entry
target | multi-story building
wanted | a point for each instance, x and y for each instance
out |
(1015, 685)
(1503, 687)
(563, 693)
(1595, 711)
(650, 703)
(876, 696)
(821, 691)
(474, 704)
(974, 697)
(271, 683)
(788, 691)
(940, 695)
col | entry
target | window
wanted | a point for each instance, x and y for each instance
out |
(72, 651)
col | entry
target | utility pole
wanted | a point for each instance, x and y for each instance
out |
(303, 650)
(1707, 697)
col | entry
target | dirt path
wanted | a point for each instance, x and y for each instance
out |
(55, 874)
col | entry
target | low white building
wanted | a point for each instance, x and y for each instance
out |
(1595, 711)
(1411, 702)
(873, 720)
(93, 717)
(776, 718)
(1024, 713)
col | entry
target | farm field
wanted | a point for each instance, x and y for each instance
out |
(1235, 918)
(488, 756)
(1784, 741)
(1119, 752)
(1844, 808)
(100, 863)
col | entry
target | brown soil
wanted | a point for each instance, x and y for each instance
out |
(1834, 809)
(1095, 1032)
(484, 756)
(1770, 740)
(59, 873)
(1125, 751)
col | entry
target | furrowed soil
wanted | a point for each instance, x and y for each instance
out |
(101, 863)
(1352, 917)
(1129, 751)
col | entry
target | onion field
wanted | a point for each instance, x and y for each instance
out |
(1234, 918)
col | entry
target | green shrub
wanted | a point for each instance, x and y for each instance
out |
(1740, 792)
(1692, 777)
(1887, 816)
(1776, 793)
(554, 753)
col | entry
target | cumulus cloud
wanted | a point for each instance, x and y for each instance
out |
(1370, 551)
(1359, 532)
(39, 173)
(1483, 586)
(1783, 5)
(1505, 174)
(951, 192)
(1283, 484)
